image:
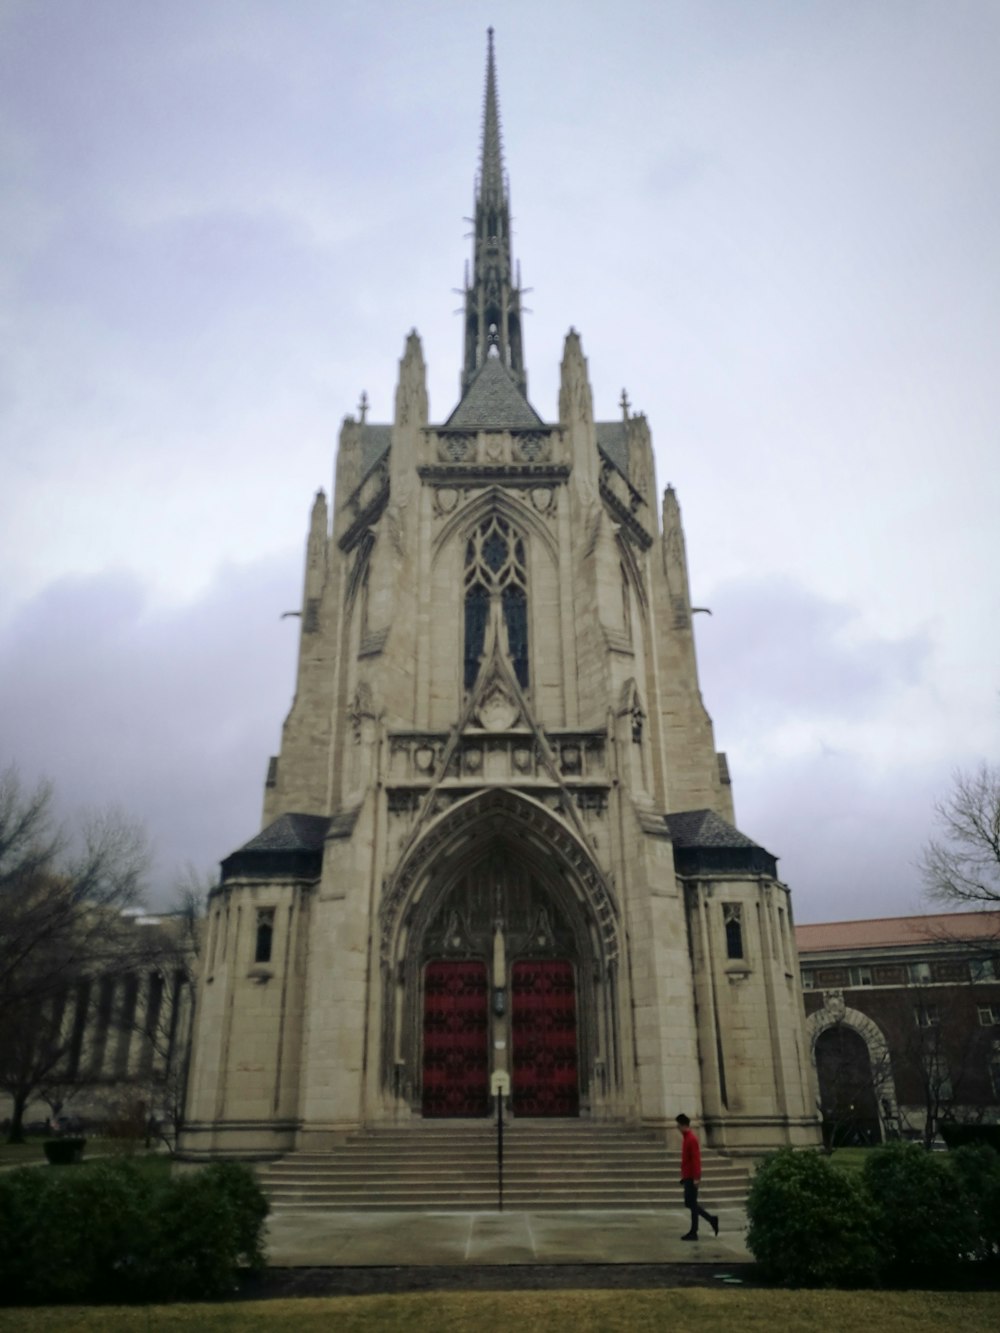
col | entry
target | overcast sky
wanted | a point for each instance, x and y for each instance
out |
(775, 223)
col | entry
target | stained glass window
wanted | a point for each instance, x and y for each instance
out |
(495, 564)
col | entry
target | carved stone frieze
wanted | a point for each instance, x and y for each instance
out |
(497, 711)
(544, 499)
(445, 500)
(471, 448)
(501, 755)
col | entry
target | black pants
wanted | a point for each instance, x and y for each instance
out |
(691, 1201)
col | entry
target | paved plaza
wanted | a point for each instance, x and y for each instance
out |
(300, 1239)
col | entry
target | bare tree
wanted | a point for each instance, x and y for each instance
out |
(61, 899)
(961, 868)
(937, 1049)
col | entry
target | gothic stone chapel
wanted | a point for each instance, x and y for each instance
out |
(498, 836)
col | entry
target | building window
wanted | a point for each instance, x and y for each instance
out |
(994, 1069)
(982, 969)
(861, 976)
(918, 974)
(989, 1015)
(495, 567)
(941, 1080)
(265, 935)
(626, 604)
(783, 935)
(807, 978)
(732, 916)
(926, 1015)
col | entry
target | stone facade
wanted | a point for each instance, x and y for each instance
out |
(115, 1042)
(498, 838)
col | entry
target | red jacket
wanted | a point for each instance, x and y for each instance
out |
(690, 1156)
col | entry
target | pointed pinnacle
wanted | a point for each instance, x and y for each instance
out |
(491, 184)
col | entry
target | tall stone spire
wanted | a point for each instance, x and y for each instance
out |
(492, 297)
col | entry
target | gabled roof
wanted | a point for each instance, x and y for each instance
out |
(705, 842)
(494, 402)
(894, 931)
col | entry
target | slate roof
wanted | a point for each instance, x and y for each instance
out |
(494, 402)
(374, 444)
(705, 842)
(612, 441)
(888, 931)
(292, 844)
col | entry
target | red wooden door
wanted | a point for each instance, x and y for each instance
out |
(543, 1034)
(456, 1040)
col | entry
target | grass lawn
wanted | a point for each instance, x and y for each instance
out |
(850, 1159)
(32, 1151)
(681, 1310)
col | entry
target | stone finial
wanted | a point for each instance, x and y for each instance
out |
(411, 392)
(575, 398)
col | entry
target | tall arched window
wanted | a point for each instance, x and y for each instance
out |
(494, 564)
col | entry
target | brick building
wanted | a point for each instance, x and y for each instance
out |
(903, 1020)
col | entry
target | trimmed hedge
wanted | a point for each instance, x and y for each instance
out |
(978, 1167)
(925, 1222)
(113, 1233)
(64, 1152)
(811, 1225)
(957, 1136)
(909, 1217)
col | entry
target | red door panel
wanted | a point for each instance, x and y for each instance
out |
(456, 1040)
(543, 1033)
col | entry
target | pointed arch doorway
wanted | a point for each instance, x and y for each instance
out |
(499, 972)
(500, 965)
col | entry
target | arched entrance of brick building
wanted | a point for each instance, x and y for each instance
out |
(848, 1101)
(501, 954)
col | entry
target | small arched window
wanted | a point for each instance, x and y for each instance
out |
(495, 566)
(265, 935)
(734, 930)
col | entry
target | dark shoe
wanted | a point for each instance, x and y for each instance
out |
(691, 1235)
(714, 1221)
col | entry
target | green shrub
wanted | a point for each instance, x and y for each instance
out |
(957, 1136)
(810, 1225)
(113, 1232)
(22, 1198)
(239, 1184)
(91, 1238)
(197, 1241)
(978, 1168)
(925, 1223)
(64, 1152)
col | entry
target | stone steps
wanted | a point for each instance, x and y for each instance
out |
(435, 1167)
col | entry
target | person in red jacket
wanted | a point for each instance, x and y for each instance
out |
(691, 1176)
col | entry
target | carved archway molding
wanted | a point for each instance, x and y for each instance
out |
(834, 1014)
(495, 501)
(505, 814)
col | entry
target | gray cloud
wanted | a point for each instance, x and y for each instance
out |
(169, 713)
(775, 651)
(848, 833)
(775, 224)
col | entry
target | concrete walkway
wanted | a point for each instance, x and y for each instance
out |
(415, 1239)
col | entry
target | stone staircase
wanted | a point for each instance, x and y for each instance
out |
(452, 1166)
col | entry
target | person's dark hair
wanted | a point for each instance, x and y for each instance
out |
(682, 1119)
